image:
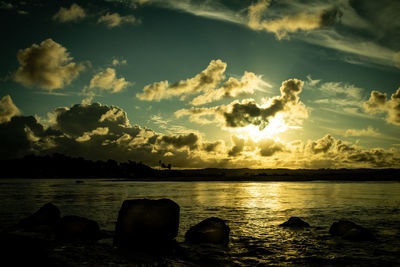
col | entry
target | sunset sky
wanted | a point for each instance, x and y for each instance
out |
(239, 83)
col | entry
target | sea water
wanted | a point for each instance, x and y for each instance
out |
(253, 211)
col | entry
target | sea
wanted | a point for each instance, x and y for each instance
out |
(252, 210)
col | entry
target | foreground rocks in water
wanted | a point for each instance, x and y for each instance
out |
(350, 231)
(295, 222)
(77, 228)
(144, 222)
(212, 230)
(47, 215)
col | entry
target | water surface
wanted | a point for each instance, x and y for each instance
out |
(252, 210)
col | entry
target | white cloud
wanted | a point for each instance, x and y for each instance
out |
(362, 132)
(7, 109)
(115, 19)
(378, 102)
(108, 80)
(47, 65)
(72, 14)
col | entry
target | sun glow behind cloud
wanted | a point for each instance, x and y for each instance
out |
(275, 126)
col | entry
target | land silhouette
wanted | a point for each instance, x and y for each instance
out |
(62, 166)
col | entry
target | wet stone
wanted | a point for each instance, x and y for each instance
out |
(212, 230)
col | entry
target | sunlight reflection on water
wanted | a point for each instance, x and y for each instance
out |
(252, 210)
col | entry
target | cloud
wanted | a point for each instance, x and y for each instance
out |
(238, 146)
(178, 141)
(72, 14)
(116, 62)
(290, 23)
(107, 80)
(269, 147)
(396, 59)
(115, 19)
(205, 81)
(248, 112)
(7, 109)
(5, 5)
(207, 9)
(362, 132)
(233, 87)
(48, 66)
(378, 102)
(101, 132)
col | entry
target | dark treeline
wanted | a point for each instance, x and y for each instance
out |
(61, 166)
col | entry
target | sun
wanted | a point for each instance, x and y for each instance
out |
(276, 125)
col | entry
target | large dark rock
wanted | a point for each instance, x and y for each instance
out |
(47, 215)
(295, 222)
(350, 231)
(212, 230)
(77, 228)
(144, 222)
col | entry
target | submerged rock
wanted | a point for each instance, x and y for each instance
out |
(77, 228)
(295, 222)
(350, 231)
(47, 215)
(147, 222)
(212, 230)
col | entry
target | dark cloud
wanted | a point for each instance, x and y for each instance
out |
(269, 147)
(81, 118)
(17, 136)
(329, 17)
(178, 141)
(212, 146)
(48, 66)
(378, 102)
(241, 114)
(238, 146)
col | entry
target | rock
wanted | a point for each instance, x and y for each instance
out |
(47, 215)
(350, 231)
(295, 222)
(212, 230)
(144, 222)
(77, 228)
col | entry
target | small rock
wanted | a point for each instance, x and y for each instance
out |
(47, 215)
(350, 231)
(212, 230)
(295, 222)
(145, 222)
(77, 228)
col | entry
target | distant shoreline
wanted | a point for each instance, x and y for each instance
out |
(65, 167)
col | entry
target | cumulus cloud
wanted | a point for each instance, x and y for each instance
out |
(248, 112)
(178, 141)
(115, 19)
(238, 146)
(47, 65)
(108, 80)
(97, 131)
(233, 87)
(269, 147)
(205, 81)
(72, 14)
(378, 102)
(287, 24)
(7, 109)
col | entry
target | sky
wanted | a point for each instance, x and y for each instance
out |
(203, 84)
